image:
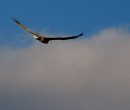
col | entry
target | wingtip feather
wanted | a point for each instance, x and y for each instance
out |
(15, 20)
(80, 34)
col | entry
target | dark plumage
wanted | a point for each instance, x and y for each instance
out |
(44, 39)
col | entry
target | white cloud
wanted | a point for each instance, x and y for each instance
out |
(82, 74)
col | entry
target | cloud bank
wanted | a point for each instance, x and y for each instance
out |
(86, 74)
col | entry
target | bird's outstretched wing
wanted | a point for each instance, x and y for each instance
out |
(25, 28)
(42, 38)
(64, 38)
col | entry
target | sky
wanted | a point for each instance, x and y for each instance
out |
(88, 73)
(61, 16)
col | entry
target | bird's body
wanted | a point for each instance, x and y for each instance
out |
(44, 39)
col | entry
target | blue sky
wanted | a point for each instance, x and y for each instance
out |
(62, 16)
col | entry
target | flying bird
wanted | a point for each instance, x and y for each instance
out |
(41, 38)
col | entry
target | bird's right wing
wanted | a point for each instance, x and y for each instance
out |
(25, 28)
(64, 38)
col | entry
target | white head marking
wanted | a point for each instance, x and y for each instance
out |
(35, 37)
(50, 41)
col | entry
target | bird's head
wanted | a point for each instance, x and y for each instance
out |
(35, 37)
(50, 41)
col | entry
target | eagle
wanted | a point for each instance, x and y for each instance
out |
(41, 38)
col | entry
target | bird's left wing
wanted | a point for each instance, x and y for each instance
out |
(64, 38)
(25, 28)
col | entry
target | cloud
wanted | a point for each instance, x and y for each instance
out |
(86, 74)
